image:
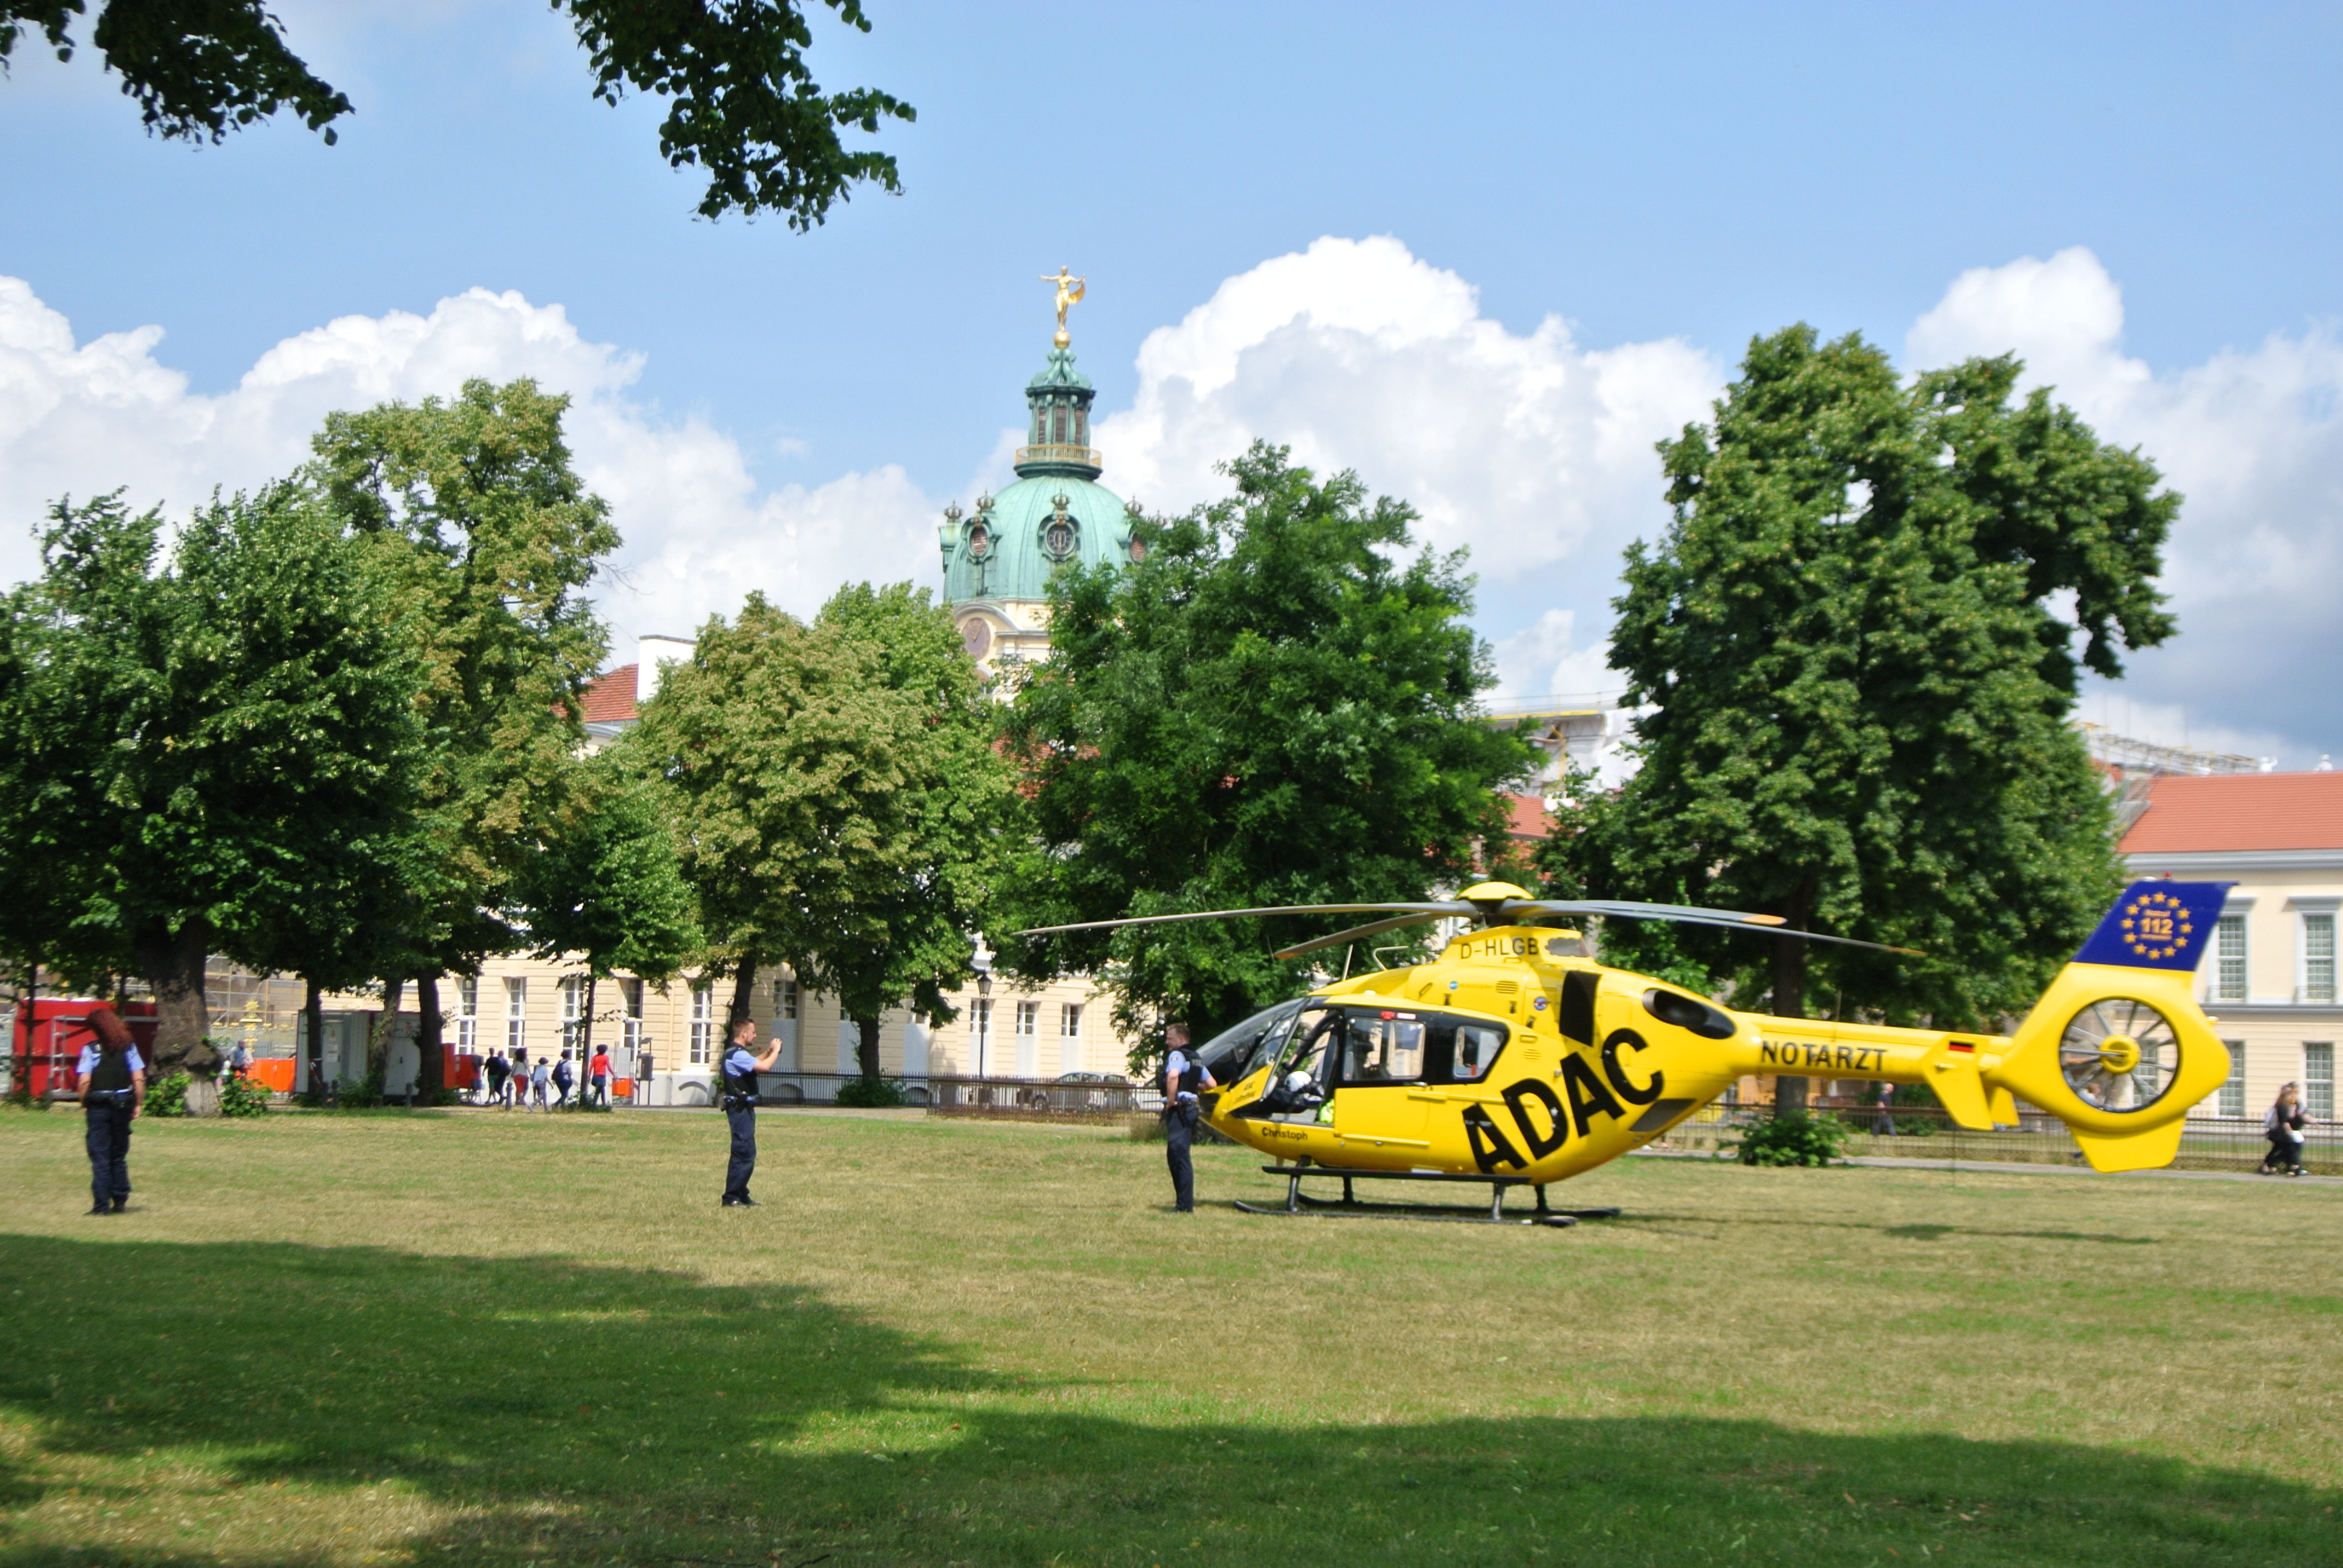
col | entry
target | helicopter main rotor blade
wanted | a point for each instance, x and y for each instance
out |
(1489, 913)
(1634, 910)
(1428, 910)
(1685, 914)
(1374, 929)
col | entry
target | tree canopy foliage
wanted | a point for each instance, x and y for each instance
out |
(200, 742)
(743, 103)
(1270, 708)
(608, 886)
(841, 803)
(488, 539)
(473, 516)
(1859, 635)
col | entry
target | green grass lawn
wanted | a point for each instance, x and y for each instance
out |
(474, 1338)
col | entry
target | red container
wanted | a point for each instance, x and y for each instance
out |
(43, 1047)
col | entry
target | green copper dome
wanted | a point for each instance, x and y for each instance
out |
(1056, 512)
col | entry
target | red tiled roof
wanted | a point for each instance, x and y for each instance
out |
(2239, 812)
(1526, 817)
(611, 698)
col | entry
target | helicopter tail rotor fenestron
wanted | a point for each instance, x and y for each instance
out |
(2118, 1048)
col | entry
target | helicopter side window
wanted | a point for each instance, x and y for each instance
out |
(1383, 1048)
(1475, 1052)
(1460, 1049)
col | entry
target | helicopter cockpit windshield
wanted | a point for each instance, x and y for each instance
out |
(1229, 1055)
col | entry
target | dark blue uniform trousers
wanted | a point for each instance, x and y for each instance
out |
(1178, 1132)
(744, 1154)
(108, 1142)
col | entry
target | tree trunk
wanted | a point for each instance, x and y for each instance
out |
(744, 995)
(385, 1025)
(585, 1037)
(174, 962)
(20, 1064)
(430, 1074)
(313, 1019)
(1790, 990)
(866, 1048)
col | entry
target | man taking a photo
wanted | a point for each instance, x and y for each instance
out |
(741, 1065)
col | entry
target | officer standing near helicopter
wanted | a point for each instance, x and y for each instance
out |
(1183, 1075)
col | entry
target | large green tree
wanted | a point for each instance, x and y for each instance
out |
(607, 888)
(743, 103)
(196, 740)
(489, 538)
(841, 804)
(897, 923)
(1861, 634)
(1272, 706)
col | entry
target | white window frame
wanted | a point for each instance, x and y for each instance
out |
(573, 1011)
(2226, 951)
(1070, 1035)
(2231, 1096)
(516, 1013)
(703, 1020)
(2318, 1079)
(631, 1010)
(1029, 1039)
(2318, 913)
(467, 1014)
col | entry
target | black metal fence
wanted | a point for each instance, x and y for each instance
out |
(1049, 1099)
(1929, 1132)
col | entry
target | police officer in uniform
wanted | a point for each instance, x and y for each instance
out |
(741, 1066)
(113, 1079)
(1183, 1075)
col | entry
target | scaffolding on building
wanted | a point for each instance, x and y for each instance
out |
(2131, 763)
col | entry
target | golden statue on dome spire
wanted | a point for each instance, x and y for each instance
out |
(1070, 291)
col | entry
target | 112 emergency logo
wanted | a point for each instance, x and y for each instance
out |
(2156, 926)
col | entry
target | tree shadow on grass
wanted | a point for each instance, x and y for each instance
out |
(548, 1412)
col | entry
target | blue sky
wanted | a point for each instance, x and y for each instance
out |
(1612, 198)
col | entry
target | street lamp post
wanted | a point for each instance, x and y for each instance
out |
(982, 964)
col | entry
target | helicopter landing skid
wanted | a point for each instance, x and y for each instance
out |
(1298, 1202)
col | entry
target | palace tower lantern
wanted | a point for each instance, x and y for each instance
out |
(998, 559)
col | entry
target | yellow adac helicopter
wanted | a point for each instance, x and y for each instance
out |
(1513, 1058)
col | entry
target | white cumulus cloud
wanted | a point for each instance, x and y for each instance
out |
(2253, 438)
(1528, 448)
(84, 418)
(1531, 448)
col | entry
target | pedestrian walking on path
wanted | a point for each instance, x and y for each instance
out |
(597, 1075)
(2283, 1125)
(112, 1078)
(540, 1077)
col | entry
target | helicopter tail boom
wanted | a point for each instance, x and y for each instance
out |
(2117, 1049)
(1953, 1065)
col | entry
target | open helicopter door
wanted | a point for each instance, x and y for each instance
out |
(2118, 1048)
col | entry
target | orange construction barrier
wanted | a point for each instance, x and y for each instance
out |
(273, 1073)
